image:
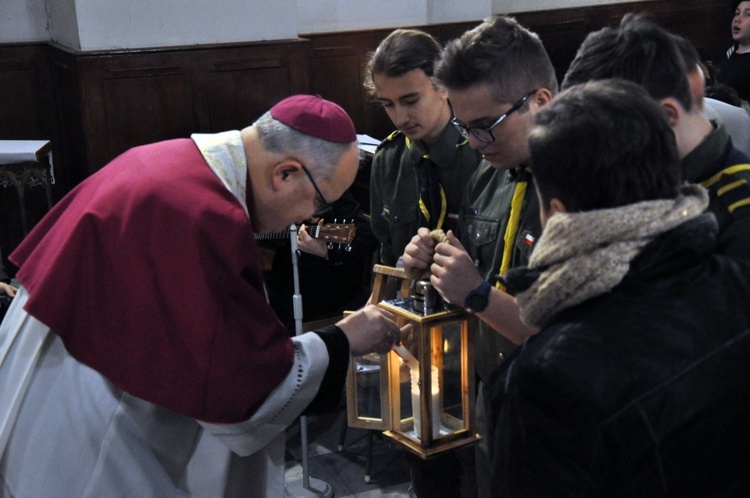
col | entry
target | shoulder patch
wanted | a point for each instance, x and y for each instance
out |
(731, 187)
(390, 138)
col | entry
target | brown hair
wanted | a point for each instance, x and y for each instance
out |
(400, 52)
(500, 53)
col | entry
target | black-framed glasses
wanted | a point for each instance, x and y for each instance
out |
(322, 206)
(484, 133)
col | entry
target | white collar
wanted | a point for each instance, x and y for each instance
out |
(225, 155)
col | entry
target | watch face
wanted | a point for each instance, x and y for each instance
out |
(476, 302)
(478, 299)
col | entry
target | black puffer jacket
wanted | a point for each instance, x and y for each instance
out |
(643, 391)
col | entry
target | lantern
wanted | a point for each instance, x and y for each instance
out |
(422, 392)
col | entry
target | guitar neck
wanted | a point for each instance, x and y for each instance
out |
(339, 233)
(282, 235)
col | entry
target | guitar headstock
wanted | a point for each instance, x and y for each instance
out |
(336, 233)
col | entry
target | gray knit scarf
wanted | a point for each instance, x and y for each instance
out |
(582, 255)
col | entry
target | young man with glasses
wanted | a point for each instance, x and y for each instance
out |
(497, 75)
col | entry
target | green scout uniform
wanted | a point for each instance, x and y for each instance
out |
(394, 186)
(725, 172)
(483, 222)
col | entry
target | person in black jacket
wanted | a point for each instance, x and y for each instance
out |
(639, 50)
(636, 384)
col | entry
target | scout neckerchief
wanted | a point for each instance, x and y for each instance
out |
(514, 218)
(433, 205)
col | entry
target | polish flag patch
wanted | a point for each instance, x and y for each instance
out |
(529, 240)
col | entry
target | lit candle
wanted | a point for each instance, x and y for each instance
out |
(415, 396)
(435, 388)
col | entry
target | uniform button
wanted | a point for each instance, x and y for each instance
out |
(500, 356)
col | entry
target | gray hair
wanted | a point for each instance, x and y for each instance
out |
(319, 155)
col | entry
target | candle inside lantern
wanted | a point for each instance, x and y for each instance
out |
(416, 389)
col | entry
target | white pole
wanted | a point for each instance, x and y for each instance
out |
(308, 486)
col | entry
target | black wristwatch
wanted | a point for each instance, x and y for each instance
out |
(478, 299)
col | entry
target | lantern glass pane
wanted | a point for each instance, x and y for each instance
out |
(368, 386)
(452, 385)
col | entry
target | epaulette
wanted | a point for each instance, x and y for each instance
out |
(390, 138)
(732, 187)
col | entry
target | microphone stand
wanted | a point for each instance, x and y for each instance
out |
(308, 486)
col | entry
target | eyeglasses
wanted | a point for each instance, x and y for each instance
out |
(484, 133)
(323, 206)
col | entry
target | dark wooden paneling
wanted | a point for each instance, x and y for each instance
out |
(158, 107)
(130, 98)
(20, 95)
(236, 85)
(69, 137)
(23, 112)
(336, 73)
(704, 22)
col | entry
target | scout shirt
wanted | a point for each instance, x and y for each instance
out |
(394, 186)
(725, 171)
(482, 224)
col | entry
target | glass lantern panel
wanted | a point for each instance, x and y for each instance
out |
(446, 400)
(368, 386)
(452, 386)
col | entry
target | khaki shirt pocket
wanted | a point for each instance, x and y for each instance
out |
(481, 231)
(398, 215)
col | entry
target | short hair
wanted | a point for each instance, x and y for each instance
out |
(500, 53)
(400, 52)
(638, 50)
(320, 155)
(603, 144)
(688, 52)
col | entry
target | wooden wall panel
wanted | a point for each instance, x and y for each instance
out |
(336, 73)
(24, 112)
(157, 108)
(19, 112)
(228, 88)
(69, 137)
(134, 97)
(236, 85)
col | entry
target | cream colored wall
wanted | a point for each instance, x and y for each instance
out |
(23, 21)
(323, 16)
(510, 6)
(109, 24)
(163, 23)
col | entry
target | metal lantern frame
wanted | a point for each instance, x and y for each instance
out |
(430, 428)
